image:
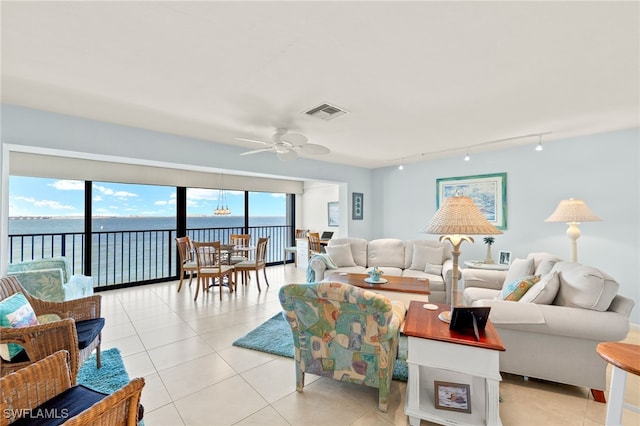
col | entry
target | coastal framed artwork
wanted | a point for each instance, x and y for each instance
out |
(357, 202)
(452, 396)
(488, 192)
(333, 211)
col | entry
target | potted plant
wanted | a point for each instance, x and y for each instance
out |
(489, 241)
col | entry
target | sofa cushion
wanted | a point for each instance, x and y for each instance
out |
(341, 255)
(544, 291)
(584, 287)
(517, 288)
(412, 244)
(422, 255)
(358, 248)
(543, 262)
(519, 268)
(430, 268)
(386, 252)
(15, 311)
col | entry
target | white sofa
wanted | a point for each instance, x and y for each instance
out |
(551, 333)
(414, 258)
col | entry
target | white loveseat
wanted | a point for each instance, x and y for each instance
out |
(414, 258)
(551, 333)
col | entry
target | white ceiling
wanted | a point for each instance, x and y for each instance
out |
(419, 79)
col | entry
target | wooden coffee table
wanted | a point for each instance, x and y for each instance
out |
(404, 289)
(456, 361)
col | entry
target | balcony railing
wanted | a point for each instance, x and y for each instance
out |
(134, 257)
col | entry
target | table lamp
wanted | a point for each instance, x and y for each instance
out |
(457, 218)
(572, 212)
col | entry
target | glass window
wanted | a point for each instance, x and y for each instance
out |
(46, 218)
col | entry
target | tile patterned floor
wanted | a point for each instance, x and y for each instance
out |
(194, 376)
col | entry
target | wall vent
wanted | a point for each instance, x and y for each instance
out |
(326, 112)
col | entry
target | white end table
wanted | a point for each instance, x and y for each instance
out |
(436, 353)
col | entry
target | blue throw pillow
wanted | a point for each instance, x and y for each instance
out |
(15, 311)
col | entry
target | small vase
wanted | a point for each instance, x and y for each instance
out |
(489, 259)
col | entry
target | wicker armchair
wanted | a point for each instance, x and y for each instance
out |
(31, 391)
(42, 340)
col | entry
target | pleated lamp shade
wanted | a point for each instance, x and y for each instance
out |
(572, 211)
(460, 215)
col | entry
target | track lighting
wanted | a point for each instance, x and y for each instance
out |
(467, 157)
(539, 147)
(400, 167)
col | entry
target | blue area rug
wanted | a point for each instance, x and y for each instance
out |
(274, 337)
(107, 379)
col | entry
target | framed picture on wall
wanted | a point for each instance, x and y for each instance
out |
(333, 210)
(357, 206)
(488, 192)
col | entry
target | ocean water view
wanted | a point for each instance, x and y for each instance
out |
(132, 249)
(55, 225)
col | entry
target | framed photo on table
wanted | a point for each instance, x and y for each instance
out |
(488, 192)
(504, 257)
(357, 202)
(452, 396)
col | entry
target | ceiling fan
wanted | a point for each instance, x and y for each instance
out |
(287, 145)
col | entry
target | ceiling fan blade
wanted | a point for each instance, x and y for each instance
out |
(254, 140)
(255, 151)
(314, 149)
(294, 138)
(288, 155)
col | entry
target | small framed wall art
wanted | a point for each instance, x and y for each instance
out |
(452, 396)
(333, 212)
(357, 206)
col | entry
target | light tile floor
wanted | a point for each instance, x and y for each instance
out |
(194, 376)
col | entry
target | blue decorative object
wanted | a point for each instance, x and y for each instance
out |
(375, 274)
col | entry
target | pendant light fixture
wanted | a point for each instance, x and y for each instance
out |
(223, 208)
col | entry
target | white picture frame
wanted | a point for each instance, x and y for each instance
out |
(504, 257)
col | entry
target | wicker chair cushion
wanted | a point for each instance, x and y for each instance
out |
(58, 409)
(88, 330)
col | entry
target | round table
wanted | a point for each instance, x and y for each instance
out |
(625, 358)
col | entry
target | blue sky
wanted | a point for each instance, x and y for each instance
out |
(58, 197)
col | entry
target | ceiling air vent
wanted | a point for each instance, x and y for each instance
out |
(326, 112)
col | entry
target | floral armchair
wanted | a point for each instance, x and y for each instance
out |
(343, 332)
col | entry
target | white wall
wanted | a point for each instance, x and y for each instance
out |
(315, 216)
(601, 169)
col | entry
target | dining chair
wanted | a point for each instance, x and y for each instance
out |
(210, 267)
(300, 233)
(256, 264)
(315, 246)
(241, 243)
(187, 262)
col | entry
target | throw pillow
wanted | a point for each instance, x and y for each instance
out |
(516, 289)
(433, 269)
(544, 291)
(425, 254)
(518, 268)
(15, 311)
(341, 255)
